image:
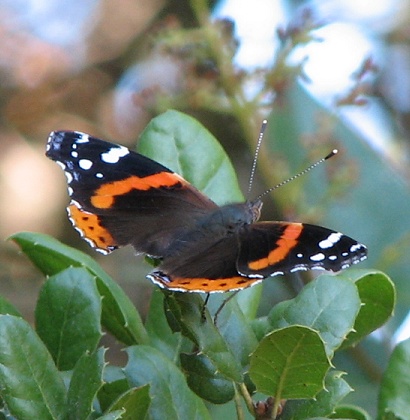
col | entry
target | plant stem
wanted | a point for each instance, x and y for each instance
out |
(239, 410)
(246, 396)
(245, 111)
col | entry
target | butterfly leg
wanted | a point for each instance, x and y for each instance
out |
(223, 304)
(203, 317)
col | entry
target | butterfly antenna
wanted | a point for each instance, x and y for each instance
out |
(305, 171)
(255, 157)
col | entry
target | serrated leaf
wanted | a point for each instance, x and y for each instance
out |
(324, 403)
(85, 382)
(290, 363)
(187, 312)
(168, 388)
(378, 296)
(135, 402)
(7, 308)
(68, 316)
(185, 146)
(350, 412)
(115, 384)
(329, 305)
(110, 391)
(30, 383)
(395, 387)
(203, 378)
(113, 415)
(50, 256)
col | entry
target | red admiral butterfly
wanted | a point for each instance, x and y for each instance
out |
(119, 197)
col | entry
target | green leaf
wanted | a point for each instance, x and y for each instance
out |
(68, 315)
(290, 363)
(110, 391)
(248, 300)
(113, 415)
(6, 308)
(235, 329)
(378, 296)
(185, 146)
(187, 312)
(168, 389)
(261, 326)
(30, 383)
(395, 387)
(160, 334)
(85, 382)
(324, 403)
(115, 384)
(350, 412)
(50, 256)
(135, 402)
(203, 378)
(329, 305)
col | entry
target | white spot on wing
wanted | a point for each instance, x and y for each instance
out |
(85, 164)
(330, 241)
(318, 257)
(61, 165)
(298, 268)
(68, 176)
(355, 247)
(114, 154)
(49, 141)
(99, 175)
(74, 154)
(84, 138)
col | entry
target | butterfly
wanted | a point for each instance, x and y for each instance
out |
(120, 197)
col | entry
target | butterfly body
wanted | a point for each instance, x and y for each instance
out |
(119, 197)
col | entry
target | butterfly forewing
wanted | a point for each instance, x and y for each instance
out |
(287, 247)
(120, 197)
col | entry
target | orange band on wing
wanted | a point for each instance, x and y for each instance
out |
(104, 196)
(203, 284)
(89, 226)
(284, 244)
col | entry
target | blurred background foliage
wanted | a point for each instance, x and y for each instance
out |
(326, 74)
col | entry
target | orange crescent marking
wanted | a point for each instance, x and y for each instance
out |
(284, 244)
(205, 285)
(104, 196)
